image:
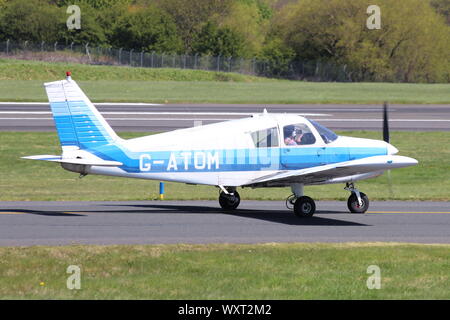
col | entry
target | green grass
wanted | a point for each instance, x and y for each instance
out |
(11, 69)
(38, 180)
(261, 271)
(22, 81)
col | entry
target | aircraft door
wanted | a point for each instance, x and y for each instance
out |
(323, 155)
(330, 151)
(298, 149)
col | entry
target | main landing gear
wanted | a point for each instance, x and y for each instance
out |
(229, 198)
(304, 206)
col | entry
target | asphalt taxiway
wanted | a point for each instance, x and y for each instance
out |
(157, 222)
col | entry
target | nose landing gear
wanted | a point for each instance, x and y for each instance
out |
(358, 202)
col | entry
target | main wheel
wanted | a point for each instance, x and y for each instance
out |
(353, 205)
(304, 207)
(228, 201)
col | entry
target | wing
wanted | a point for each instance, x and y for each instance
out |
(337, 172)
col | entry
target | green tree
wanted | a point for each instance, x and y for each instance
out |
(191, 16)
(250, 19)
(412, 44)
(278, 57)
(149, 29)
(212, 40)
(442, 7)
(32, 20)
(96, 4)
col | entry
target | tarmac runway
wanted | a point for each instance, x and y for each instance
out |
(156, 117)
(157, 222)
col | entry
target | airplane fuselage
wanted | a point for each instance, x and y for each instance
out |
(231, 165)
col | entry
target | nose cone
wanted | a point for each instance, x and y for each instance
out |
(391, 149)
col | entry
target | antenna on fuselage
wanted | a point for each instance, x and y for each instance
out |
(264, 113)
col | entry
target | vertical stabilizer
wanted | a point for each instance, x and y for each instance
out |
(78, 122)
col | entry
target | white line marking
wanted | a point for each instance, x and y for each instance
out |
(25, 112)
(24, 103)
(26, 118)
(118, 104)
(114, 104)
(225, 119)
(390, 120)
(168, 113)
(134, 119)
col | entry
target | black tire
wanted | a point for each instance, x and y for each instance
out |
(304, 207)
(228, 201)
(354, 207)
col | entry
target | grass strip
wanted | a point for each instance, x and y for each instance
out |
(257, 271)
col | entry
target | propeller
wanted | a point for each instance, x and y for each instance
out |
(386, 138)
(385, 123)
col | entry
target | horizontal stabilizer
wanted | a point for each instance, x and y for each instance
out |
(87, 162)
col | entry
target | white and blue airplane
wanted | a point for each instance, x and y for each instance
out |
(266, 150)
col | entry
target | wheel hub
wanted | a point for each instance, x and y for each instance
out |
(306, 207)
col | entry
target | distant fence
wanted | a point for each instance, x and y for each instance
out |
(300, 70)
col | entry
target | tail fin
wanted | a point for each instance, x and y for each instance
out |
(78, 122)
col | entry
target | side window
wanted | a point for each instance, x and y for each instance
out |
(265, 138)
(298, 135)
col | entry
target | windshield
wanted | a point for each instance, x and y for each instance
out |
(326, 134)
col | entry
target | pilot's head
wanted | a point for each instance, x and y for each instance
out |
(289, 131)
(298, 132)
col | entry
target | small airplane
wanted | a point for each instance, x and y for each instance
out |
(265, 150)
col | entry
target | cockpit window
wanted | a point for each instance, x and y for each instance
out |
(265, 138)
(298, 134)
(326, 134)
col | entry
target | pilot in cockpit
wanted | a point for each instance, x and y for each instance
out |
(292, 136)
(298, 135)
(289, 136)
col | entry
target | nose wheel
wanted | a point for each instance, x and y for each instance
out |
(358, 202)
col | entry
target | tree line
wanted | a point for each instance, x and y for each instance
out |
(411, 45)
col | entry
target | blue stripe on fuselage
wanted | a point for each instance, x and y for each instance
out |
(223, 160)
